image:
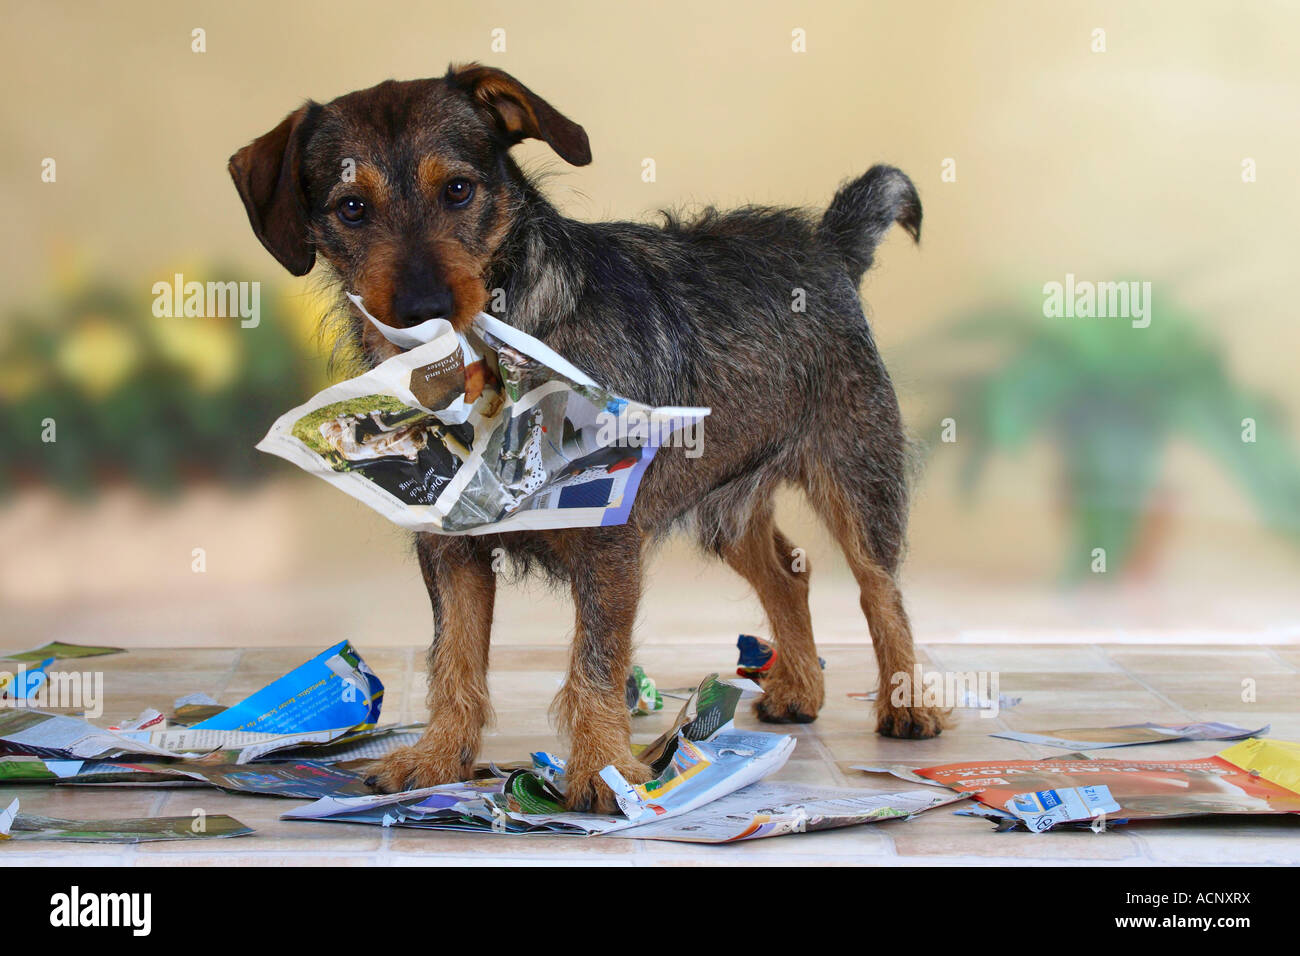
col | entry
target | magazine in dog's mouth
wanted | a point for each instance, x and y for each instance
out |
(408, 338)
(479, 432)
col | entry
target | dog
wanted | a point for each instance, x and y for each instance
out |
(409, 194)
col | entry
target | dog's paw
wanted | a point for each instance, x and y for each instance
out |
(412, 768)
(771, 712)
(587, 793)
(911, 723)
(786, 702)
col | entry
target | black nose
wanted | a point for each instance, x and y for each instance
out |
(416, 306)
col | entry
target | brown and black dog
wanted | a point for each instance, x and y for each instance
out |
(408, 192)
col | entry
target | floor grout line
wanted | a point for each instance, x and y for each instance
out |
(1159, 695)
(1272, 652)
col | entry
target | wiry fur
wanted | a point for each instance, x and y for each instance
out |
(697, 311)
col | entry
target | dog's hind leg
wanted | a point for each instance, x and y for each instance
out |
(865, 508)
(793, 691)
(462, 589)
(605, 570)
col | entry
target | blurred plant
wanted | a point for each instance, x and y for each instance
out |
(1110, 397)
(151, 399)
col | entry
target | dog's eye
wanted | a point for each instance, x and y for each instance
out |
(458, 192)
(351, 210)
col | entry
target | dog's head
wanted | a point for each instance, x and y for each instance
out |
(404, 189)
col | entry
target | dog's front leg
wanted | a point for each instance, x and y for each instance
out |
(462, 587)
(605, 567)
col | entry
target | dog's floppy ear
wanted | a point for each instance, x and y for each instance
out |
(520, 113)
(267, 174)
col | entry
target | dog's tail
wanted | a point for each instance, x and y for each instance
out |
(862, 212)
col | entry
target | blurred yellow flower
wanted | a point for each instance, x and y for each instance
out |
(70, 267)
(305, 308)
(20, 376)
(98, 355)
(204, 348)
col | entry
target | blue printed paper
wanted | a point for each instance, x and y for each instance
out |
(335, 690)
(24, 684)
(1043, 809)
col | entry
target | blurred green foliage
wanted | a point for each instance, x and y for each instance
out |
(154, 400)
(1109, 398)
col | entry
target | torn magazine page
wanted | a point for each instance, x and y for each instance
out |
(302, 779)
(299, 779)
(324, 699)
(149, 717)
(749, 690)
(756, 656)
(487, 432)
(59, 650)
(1041, 810)
(7, 816)
(194, 708)
(56, 736)
(42, 734)
(1098, 738)
(642, 696)
(903, 771)
(214, 826)
(1142, 789)
(26, 682)
(771, 809)
(245, 746)
(709, 708)
(522, 802)
(701, 772)
(701, 757)
(335, 689)
(1277, 761)
(355, 748)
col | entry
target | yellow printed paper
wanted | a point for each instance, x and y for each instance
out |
(1277, 761)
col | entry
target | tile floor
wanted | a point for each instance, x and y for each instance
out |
(1062, 686)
